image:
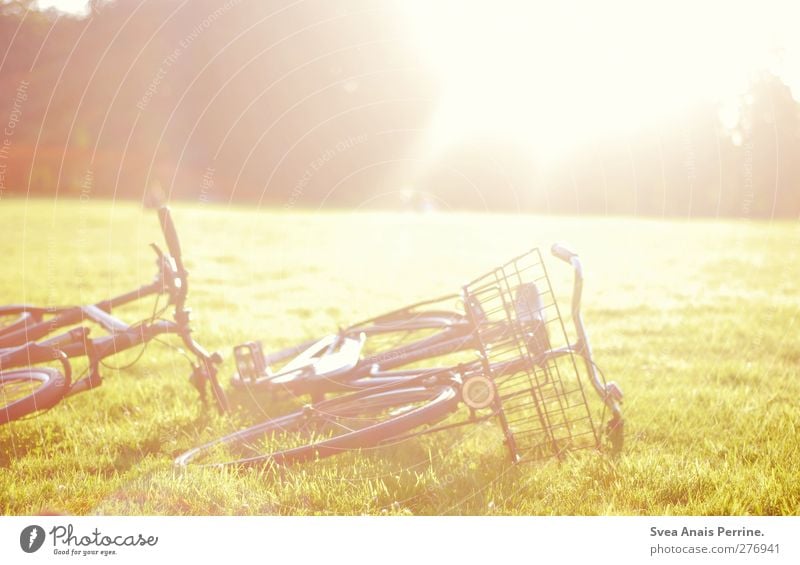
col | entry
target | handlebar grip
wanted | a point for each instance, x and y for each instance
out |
(563, 252)
(170, 235)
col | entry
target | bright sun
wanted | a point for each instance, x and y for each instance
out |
(555, 74)
(551, 75)
(76, 7)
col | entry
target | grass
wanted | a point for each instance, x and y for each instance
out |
(697, 321)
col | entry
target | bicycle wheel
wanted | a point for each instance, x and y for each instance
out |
(398, 339)
(25, 391)
(355, 421)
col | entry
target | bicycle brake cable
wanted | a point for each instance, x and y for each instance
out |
(180, 350)
(155, 314)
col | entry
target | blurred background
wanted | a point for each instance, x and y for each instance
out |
(272, 124)
(681, 109)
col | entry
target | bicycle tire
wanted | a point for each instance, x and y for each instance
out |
(417, 321)
(385, 414)
(49, 387)
(393, 340)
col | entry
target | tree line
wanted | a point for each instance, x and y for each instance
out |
(322, 103)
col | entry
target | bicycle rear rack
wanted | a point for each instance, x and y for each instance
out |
(540, 401)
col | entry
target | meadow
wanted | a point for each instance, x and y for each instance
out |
(696, 320)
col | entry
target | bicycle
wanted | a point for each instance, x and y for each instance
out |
(354, 357)
(533, 389)
(342, 361)
(30, 389)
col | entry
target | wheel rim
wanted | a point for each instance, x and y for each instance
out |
(416, 341)
(394, 344)
(335, 426)
(15, 387)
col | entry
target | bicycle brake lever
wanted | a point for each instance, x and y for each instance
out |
(160, 262)
(158, 251)
(167, 271)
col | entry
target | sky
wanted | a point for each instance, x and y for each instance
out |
(552, 72)
(547, 73)
(77, 7)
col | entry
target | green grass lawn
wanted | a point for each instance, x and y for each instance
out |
(697, 321)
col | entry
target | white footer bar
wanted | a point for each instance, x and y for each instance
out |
(403, 540)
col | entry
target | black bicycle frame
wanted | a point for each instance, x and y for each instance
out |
(19, 347)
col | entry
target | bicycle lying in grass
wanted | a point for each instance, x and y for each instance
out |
(534, 390)
(345, 360)
(26, 388)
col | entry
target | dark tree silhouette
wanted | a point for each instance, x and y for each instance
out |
(325, 103)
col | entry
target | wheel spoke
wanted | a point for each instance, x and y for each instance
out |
(359, 420)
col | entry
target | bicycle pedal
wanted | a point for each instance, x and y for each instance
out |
(250, 362)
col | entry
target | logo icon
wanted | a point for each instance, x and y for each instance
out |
(31, 539)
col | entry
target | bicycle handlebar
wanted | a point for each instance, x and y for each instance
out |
(582, 347)
(205, 370)
(563, 252)
(171, 237)
(568, 256)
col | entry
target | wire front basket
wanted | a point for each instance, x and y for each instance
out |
(541, 401)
